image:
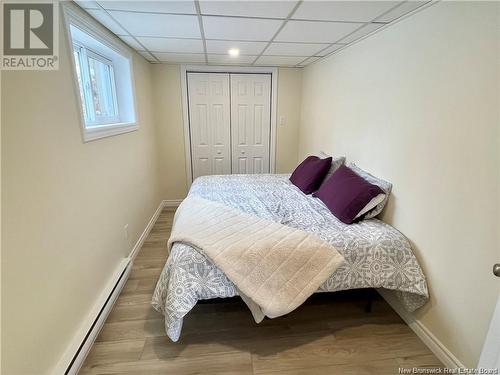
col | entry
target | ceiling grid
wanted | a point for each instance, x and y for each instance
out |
(266, 33)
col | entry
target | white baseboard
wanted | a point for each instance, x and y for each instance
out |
(77, 351)
(146, 231)
(431, 341)
(172, 202)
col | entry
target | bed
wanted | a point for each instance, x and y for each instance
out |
(376, 255)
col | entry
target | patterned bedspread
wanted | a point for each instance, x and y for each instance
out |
(376, 254)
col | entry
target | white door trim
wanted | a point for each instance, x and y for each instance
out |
(228, 69)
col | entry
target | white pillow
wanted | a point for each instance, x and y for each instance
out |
(371, 205)
(384, 185)
(336, 163)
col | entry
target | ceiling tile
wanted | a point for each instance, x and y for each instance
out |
(172, 45)
(246, 48)
(315, 32)
(180, 57)
(106, 20)
(239, 28)
(280, 60)
(226, 59)
(352, 11)
(329, 50)
(88, 4)
(294, 49)
(147, 56)
(367, 29)
(151, 6)
(150, 24)
(131, 42)
(310, 60)
(267, 9)
(401, 10)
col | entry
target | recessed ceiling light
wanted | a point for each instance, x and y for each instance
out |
(234, 52)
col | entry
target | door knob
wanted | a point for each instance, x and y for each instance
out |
(496, 269)
(218, 152)
(243, 152)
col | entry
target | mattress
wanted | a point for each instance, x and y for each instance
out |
(376, 255)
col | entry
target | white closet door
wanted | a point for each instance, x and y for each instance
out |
(209, 123)
(250, 122)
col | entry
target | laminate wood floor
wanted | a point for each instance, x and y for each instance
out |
(327, 335)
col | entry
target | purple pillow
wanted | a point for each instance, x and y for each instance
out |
(345, 193)
(309, 175)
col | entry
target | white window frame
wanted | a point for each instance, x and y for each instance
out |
(85, 54)
(126, 120)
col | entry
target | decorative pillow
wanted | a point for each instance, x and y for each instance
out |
(384, 185)
(310, 173)
(346, 194)
(336, 163)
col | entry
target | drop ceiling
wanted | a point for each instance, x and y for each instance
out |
(267, 33)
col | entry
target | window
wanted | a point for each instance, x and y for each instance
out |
(103, 78)
(96, 80)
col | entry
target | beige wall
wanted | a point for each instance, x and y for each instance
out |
(417, 104)
(167, 103)
(64, 207)
(168, 112)
(287, 135)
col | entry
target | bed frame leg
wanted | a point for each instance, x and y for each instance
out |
(369, 303)
(368, 307)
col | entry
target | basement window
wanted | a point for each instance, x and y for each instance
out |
(103, 79)
(96, 80)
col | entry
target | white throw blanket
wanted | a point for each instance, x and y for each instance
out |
(275, 267)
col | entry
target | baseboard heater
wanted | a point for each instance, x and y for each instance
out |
(83, 350)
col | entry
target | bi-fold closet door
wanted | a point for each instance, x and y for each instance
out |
(229, 123)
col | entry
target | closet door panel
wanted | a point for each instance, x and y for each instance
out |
(251, 122)
(203, 167)
(209, 123)
(242, 164)
(258, 165)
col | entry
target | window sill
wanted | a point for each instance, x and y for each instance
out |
(109, 131)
